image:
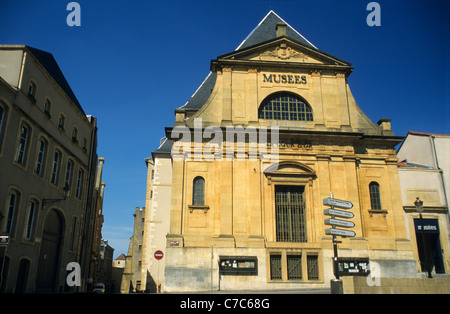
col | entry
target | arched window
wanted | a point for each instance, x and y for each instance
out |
(198, 192)
(285, 106)
(375, 200)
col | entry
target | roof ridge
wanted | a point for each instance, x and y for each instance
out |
(252, 33)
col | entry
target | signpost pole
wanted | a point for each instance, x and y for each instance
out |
(336, 284)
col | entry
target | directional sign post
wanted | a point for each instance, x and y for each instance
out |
(336, 285)
(339, 223)
(337, 203)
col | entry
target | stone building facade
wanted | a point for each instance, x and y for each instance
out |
(49, 198)
(271, 132)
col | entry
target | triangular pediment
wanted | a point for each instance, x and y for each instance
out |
(284, 49)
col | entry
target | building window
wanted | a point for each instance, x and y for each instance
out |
(32, 91)
(198, 192)
(75, 135)
(13, 201)
(62, 122)
(48, 108)
(40, 158)
(289, 214)
(30, 221)
(79, 192)
(84, 144)
(2, 123)
(69, 172)
(313, 267)
(55, 168)
(285, 106)
(294, 266)
(23, 144)
(275, 267)
(375, 201)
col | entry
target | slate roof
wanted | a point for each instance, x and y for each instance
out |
(264, 31)
(165, 146)
(47, 60)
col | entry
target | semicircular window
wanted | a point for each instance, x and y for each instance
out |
(285, 106)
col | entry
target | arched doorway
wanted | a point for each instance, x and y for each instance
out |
(49, 255)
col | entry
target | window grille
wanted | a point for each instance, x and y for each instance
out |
(313, 267)
(375, 201)
(289, 212)
(294, 267)
(285, 106)
(275, 267)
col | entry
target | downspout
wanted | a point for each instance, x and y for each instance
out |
(441, 172)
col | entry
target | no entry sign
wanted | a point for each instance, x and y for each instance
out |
(159, 255)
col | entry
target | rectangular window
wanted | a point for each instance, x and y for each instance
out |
(80, 184)
(12, 208)
(30, 220)
(275, 267)
(62, 122)
(313, 267)
(2, 122)
(69, 170)
(42, 149)
(47, 108)
(32, 91)
(289, 214)
(22, 145)
(294, 267)
(55, 169)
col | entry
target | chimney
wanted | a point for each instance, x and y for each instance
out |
(385, 126)
(281, 29)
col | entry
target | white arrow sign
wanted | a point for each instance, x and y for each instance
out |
(337, 203)
(339, 223)
(338, 213)
(340, 232)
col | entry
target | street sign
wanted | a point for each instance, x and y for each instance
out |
(340, 232)
(338, 213)
(4, 239)
(339, 223)
(337, 203)
(159, 255)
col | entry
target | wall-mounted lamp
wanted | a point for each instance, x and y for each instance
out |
(50, 201)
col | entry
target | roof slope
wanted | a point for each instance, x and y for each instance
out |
(266, 30)
(47, 60)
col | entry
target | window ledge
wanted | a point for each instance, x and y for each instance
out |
(205, 208)
(378, 211)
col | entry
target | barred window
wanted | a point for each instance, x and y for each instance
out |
(375, 201)
(294, 267)
(285, 106)
(275, 267)
(198, 192)
(289, 214)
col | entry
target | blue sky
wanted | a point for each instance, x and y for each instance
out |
(131, 63)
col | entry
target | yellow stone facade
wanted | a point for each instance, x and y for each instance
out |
(338, 151)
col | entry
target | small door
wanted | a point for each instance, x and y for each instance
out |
(429, 245)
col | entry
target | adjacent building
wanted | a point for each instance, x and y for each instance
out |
(239, 181)
(424, 173)
(50, 183)
(131, 278)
